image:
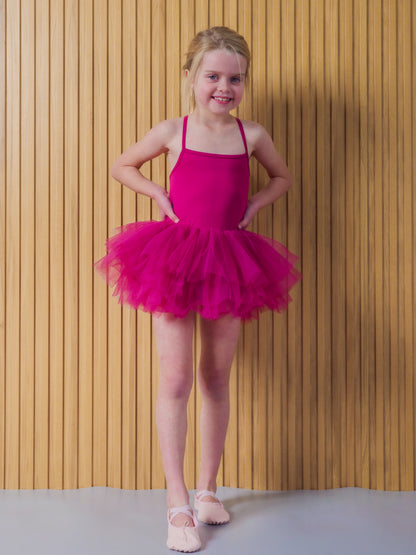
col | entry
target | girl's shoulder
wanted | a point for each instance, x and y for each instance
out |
(167, 129)
(255, 133)
(253, 129)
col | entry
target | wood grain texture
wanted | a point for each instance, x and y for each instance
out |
(56, 251)
(27, 307)
(3, 93)
(322, 396)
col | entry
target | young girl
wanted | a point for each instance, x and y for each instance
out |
(200, 259)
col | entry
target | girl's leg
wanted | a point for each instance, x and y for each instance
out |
(174, 338)
(218, 344)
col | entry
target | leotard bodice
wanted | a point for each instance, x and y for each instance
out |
(210, 190)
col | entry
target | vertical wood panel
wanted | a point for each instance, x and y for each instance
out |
(413, 236)
(393, 238)
(386, 254)
(114, 221)
(308, 103)
(42, 288)
(86, 209)
(56, 260)
(323, 251)
(27, 315)
(337, 244)
(408, 292)
(12, 242)
(100, 167)
(364, 250)
(352, 244)
(71, 244)
(376, 84)
(3, 234)
(322, 396)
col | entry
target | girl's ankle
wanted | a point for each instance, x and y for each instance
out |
(210, 486)
(177, 499)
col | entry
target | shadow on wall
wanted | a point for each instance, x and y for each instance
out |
(320, 364)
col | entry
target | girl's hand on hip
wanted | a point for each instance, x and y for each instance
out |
(165, 206)
(249, 214)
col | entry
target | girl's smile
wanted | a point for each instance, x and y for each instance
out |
(221, 99)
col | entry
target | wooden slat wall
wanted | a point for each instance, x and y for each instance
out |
(321, 397)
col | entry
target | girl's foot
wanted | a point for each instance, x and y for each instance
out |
(179, 498)
(183, 537)
(210, 509)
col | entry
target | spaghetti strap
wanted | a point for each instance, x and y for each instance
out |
(240, 125)
(185, 122)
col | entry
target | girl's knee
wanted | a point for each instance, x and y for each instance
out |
(214, 384)
(176, 385)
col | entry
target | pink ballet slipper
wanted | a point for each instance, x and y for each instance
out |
(183, 538)
(210, 512)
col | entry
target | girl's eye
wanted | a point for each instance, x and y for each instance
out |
(212, 77)
(236, 79)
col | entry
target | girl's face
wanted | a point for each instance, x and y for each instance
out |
(219, 81)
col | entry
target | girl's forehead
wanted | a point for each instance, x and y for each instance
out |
(223, 60)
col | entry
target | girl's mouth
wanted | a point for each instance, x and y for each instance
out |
(222, 99)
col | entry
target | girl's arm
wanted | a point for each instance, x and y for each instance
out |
(280, 180)
(126, 169)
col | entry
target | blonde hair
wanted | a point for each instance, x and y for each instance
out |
(215, 38)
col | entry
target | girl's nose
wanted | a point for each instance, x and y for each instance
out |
(222, 84)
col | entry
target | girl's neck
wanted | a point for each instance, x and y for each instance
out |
(215, 135)
(210, 120)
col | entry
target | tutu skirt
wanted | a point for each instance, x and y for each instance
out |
(163, 267)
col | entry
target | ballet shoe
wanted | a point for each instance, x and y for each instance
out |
(183, 538)
(210, 512)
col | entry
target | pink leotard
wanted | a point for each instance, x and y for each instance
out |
(204, 263)
(210, 190)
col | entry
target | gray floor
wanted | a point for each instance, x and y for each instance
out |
(106, 521)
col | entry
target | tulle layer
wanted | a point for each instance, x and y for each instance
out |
(166, 267)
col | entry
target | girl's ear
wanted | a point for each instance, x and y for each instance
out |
(191, 83)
